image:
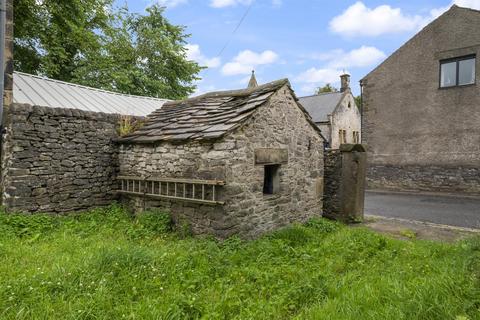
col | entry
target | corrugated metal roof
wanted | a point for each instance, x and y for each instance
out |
(46, 92)
(320, 106)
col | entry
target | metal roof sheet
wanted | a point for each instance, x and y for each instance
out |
(320, 106)
(46, 92)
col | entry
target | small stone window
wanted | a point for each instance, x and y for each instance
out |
(271, 179)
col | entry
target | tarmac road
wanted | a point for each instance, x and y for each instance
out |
(453, 210)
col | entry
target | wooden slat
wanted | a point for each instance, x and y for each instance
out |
(209, 202)
(209, 182)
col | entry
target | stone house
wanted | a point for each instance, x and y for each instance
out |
(421, 111)
(235, 162)
(336, 114)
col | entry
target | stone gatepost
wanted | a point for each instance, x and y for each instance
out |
(345, 176)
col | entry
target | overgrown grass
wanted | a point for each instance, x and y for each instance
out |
(107, 265)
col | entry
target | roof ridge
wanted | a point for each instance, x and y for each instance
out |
(233, 93)
(466, 8)
(319, 94)
(89, 88)
(454, 6)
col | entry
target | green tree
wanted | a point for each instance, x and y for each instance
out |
(91, 43)
(358, 102)
(142, 55)
(52, 37)
(326, 89)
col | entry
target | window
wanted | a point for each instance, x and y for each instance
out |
(356, 137)
(342, 136)
(271, 179)
(457, 72)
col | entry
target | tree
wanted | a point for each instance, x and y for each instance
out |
(326, 89)
(358, 102)
(142, 55)
(90, 43)
(52, 37)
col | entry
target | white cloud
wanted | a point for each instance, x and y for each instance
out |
(361, 57)
(231, 3)
(359, 20)
(247, 60)
(320, 76)
(228, 3)
(277, 3)
(170, 3)
(473, 4)
(194, 53)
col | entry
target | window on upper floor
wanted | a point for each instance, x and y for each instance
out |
(457, 72)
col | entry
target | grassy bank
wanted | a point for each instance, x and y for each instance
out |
(106, 265)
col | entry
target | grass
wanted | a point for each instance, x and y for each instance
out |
(107, 265)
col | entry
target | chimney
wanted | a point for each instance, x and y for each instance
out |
(345, 80)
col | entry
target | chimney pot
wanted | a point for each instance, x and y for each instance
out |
(345, 81)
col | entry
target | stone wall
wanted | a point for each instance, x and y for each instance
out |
(247, 211)
(425, 178)
(345, 175)
(420, 136)
(57, 160)
(333, 177)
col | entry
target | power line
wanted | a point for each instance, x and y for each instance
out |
(236, 29)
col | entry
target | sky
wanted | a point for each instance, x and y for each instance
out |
(310, 42)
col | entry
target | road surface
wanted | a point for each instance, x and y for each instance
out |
(441, 209)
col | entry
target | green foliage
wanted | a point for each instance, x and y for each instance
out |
(127, 125)
(53, 37)
(358, 102)
(91, 43)
(326, 89)
(107, 264)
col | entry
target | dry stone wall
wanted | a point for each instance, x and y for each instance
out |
(57, 160)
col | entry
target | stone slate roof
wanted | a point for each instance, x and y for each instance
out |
(208, 116)
(320, 106)
(45, 92)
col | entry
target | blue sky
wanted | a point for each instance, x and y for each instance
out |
(310, 42)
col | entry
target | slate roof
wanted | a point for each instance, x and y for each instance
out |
(320, 106)
(47, 92)
(208, 116)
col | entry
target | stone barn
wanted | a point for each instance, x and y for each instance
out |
(235, 162)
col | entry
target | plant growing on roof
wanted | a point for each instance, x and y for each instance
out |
(128, 124)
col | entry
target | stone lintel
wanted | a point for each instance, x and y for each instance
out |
(271, 156)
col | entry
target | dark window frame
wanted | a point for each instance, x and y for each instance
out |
(457, 69)
(271, 179)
